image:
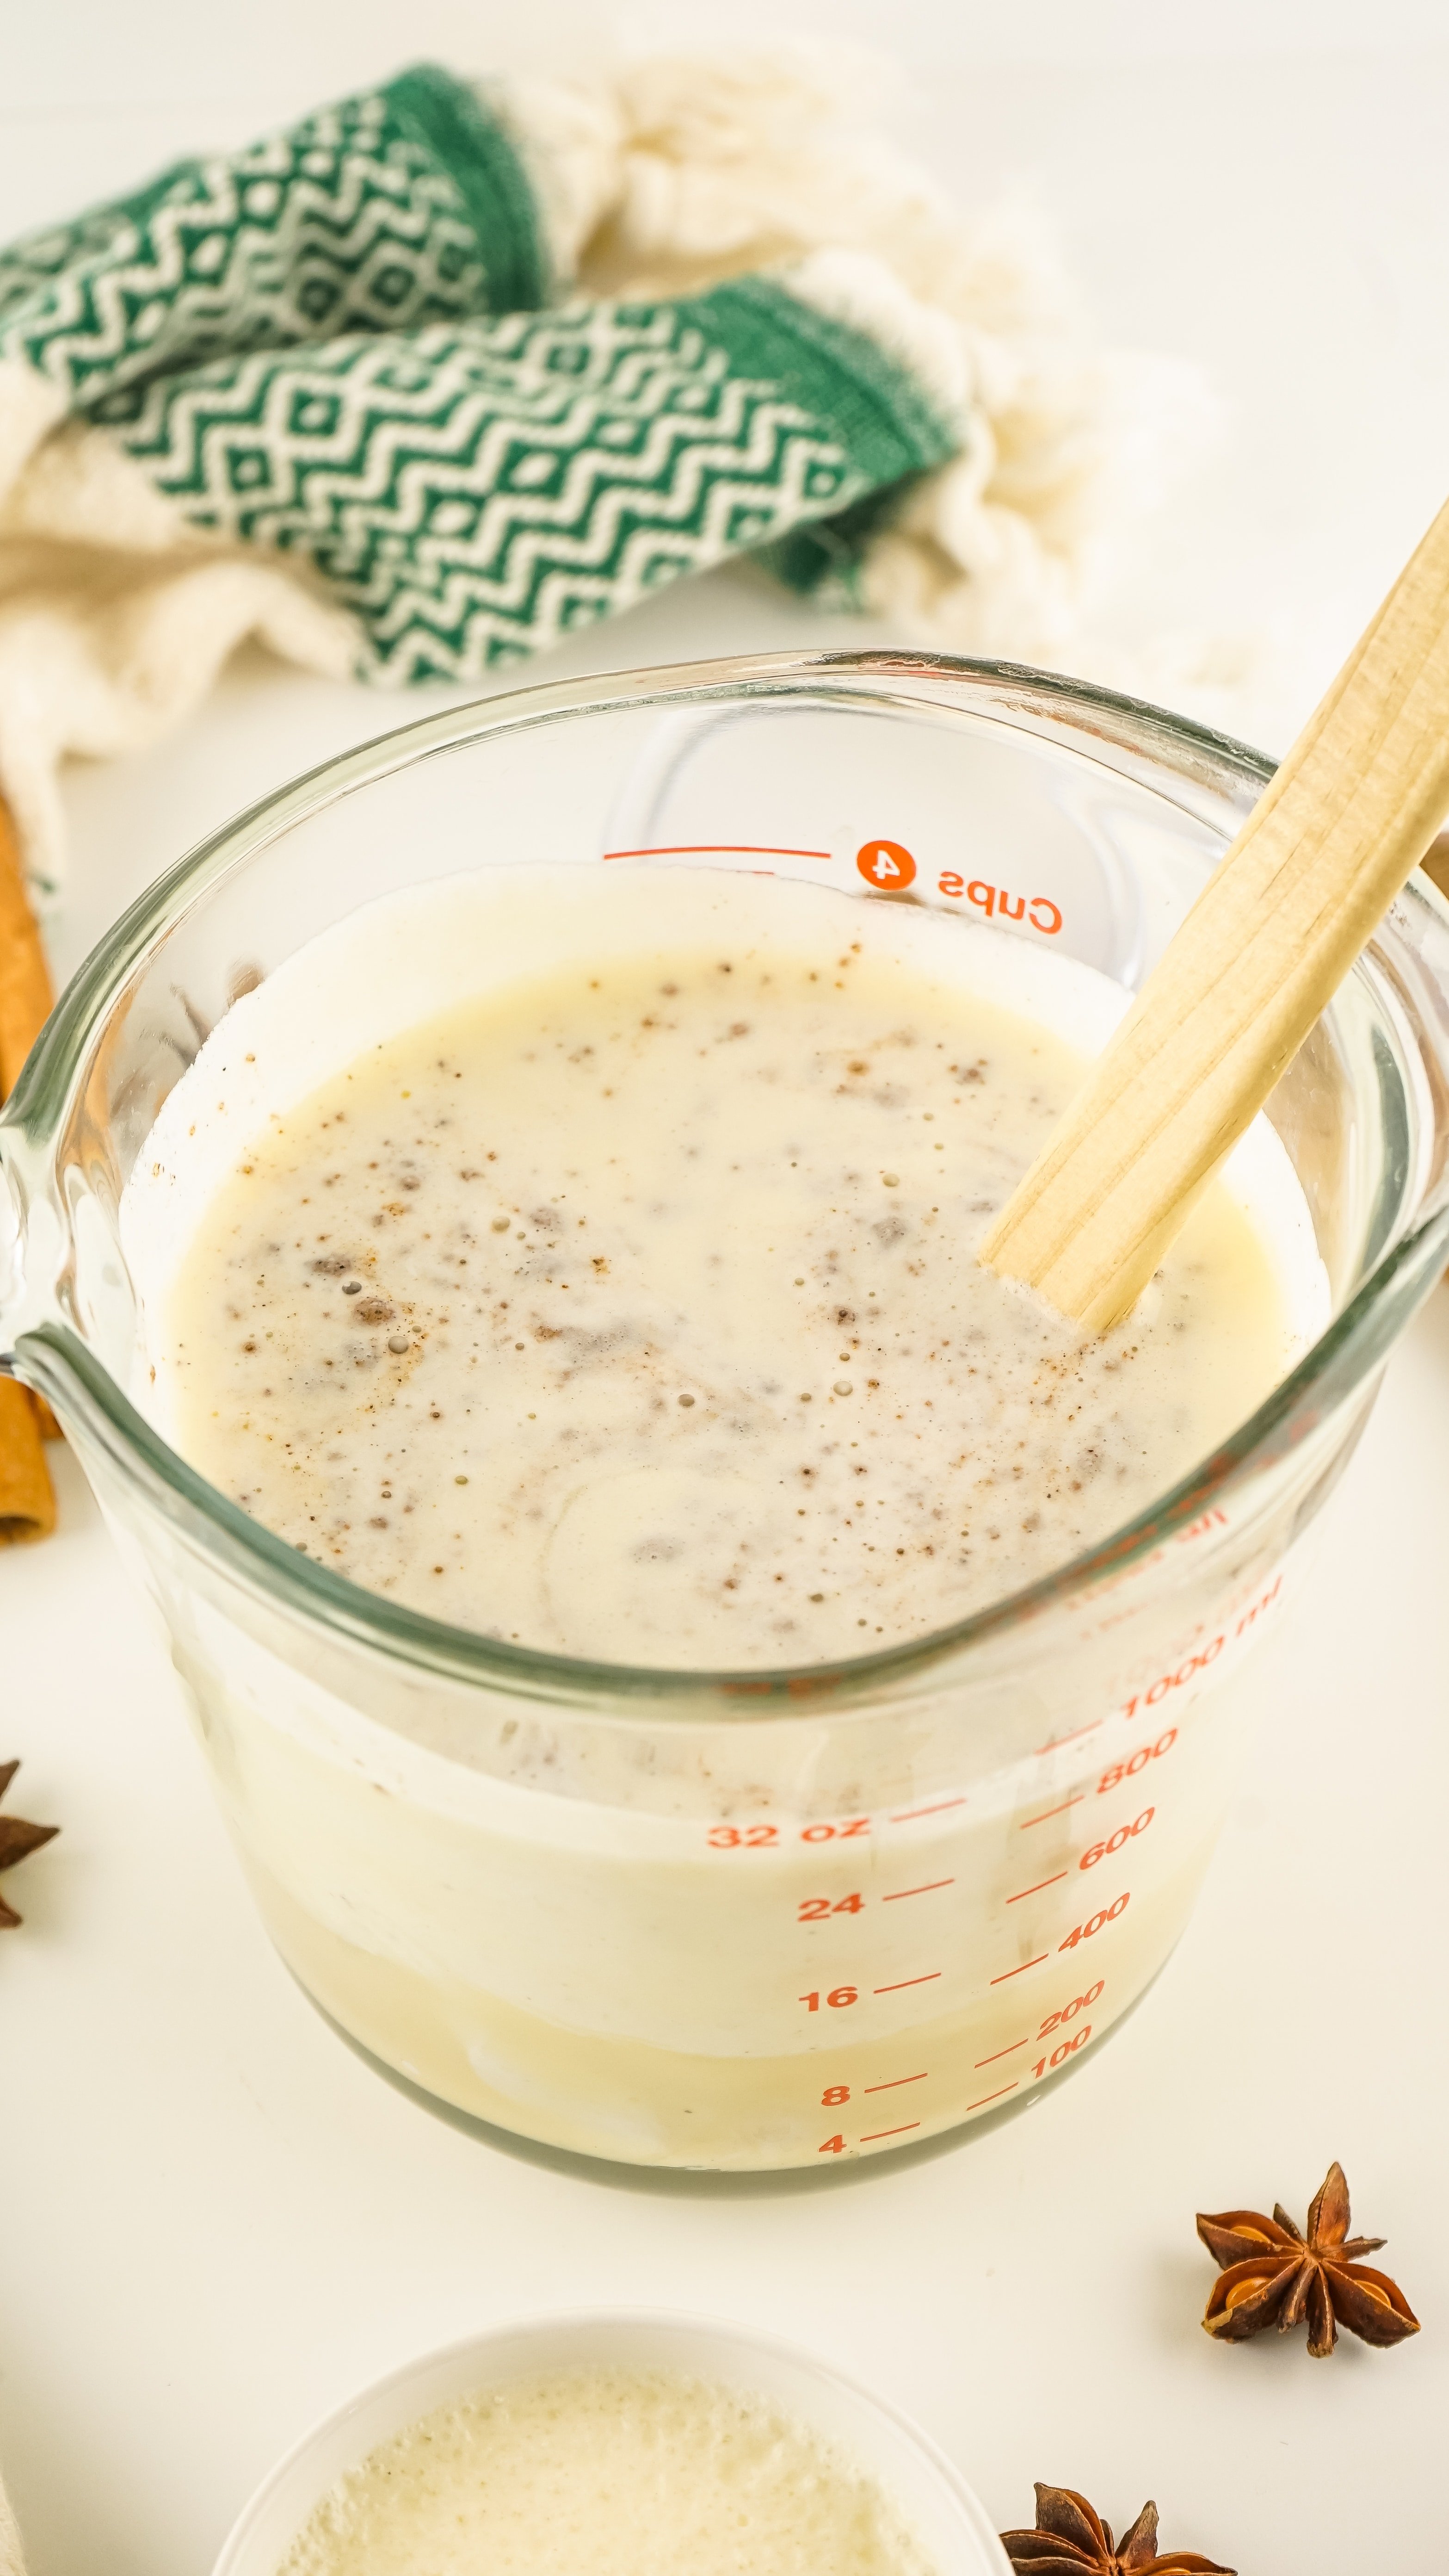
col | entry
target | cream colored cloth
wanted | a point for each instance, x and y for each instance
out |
(666, 175)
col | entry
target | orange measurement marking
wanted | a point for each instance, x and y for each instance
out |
(1017, 1972)
(992, 2097)
(897, 1893)
(1000, 2053)
(872, 2134)
(1073, 1738)
(939, 1809)
(701, 849)
(901, 2079)
(1048, 1812)
(1036, 1891)
(901, 1983)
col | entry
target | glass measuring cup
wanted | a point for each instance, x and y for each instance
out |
(713, 1920)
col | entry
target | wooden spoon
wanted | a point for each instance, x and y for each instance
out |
(1276, 928)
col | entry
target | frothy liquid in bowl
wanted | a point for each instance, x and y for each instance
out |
(606, 2472)
(632, 1310)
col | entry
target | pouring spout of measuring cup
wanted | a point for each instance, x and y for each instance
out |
(12, 1260)
(37, 1264)
(68, 1319)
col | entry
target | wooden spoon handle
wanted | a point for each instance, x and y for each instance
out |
(1276, 928)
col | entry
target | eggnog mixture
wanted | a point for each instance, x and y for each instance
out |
(634, 1312)
(606, 2472)
(587, 1256)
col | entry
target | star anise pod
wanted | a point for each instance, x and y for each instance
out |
(1071, 2539)
(17, 1838)
(1272, 2273)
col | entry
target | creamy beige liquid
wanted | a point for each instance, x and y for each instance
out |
(606, 2472)
(587, 1143)
(635, 1313)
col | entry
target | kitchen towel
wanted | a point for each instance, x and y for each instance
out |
(446, 371)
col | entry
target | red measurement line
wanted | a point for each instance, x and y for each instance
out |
(701, 849)
(911, 1813)
(991, 2097)
(871, 2135)
(1036, 1891)
(1048, 1812)
(897, 1893)
(1001, 2052)
(902, 1982)
(1016, 1972)
(1070, 1739)
(902, 2079)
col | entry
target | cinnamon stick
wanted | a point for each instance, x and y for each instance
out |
(26, 993)
(27, 1499)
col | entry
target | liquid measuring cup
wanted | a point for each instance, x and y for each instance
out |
(709, 1919)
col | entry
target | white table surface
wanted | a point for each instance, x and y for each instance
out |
(214, 2221)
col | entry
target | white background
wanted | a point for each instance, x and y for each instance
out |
(213, 2221)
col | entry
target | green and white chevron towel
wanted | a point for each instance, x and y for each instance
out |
(354, 390)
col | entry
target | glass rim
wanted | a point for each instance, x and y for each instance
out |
(56, 1360)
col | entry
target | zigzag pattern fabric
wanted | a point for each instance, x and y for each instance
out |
(317, 391)
(393, 211)
(474, 493)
